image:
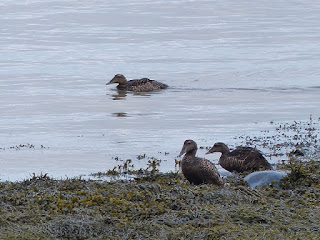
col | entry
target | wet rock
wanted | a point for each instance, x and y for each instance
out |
(263, 178)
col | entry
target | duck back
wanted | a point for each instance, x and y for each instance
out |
(244, 159)
(145, 85)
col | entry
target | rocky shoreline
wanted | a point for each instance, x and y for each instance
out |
(155, 205)
(162, 206)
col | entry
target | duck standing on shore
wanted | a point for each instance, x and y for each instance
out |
(137, 85)
(241, 159)
(198, 170)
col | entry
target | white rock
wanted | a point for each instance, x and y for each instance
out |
(257, 179)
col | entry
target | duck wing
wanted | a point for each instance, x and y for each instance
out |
(200, 171)
(138, 82)
(244, 153)
(209, 173)
(249, 158)
(145, 85)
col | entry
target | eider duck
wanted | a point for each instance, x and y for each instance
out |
(198, 170)
(137, 85)
(241, 159)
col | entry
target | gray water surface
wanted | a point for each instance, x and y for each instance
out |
(232, 67)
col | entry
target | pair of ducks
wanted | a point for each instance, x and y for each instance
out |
(200, 170)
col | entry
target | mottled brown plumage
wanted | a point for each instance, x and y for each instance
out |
(241, 159)
(198, 170)
(137, 85)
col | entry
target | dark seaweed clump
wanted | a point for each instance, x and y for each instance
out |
(157, 205)
(162, 206)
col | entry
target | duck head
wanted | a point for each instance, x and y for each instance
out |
(218, 147)
(118, 78)
(188, 146)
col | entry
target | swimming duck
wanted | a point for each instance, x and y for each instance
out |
(137, 85)
(241, 159)
(198, 170)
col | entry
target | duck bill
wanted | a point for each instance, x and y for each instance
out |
(109, 82)
(183, 150)
(211, 150)
(113, 80)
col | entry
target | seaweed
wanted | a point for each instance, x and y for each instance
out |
(148, 204)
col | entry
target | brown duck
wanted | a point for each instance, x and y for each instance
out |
(198, 170)
(136, 85)
(241, 159)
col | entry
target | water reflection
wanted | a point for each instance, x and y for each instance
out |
(144, 94)
(120, 114)
(120, 95)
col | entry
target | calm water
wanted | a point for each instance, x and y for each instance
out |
(232, 67)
